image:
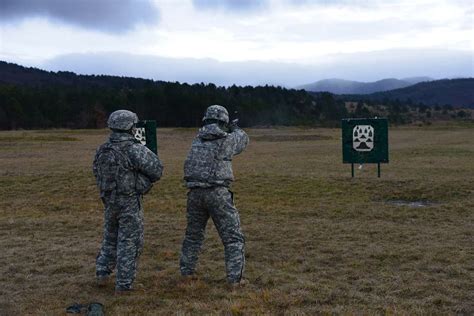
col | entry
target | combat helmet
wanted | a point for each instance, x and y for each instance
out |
(122, 120)
(216, 112)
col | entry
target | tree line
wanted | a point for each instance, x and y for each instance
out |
(31, 98)
(35, 99)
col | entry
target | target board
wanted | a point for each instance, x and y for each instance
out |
(365, 141)
(145, 133)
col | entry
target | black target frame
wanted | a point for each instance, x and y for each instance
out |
(378, 154)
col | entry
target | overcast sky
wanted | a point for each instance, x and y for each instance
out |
(285, 42)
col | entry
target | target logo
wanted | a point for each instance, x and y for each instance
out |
(363, 138)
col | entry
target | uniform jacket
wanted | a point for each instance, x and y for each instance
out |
(209, 162)
(144, 167)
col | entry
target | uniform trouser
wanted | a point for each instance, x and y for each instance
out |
(217, 203)
(122, 243)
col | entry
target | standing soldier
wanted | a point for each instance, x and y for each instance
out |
(208, 175)
(124, 170)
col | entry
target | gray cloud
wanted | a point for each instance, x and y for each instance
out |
(255, 5)
(368, 66)
(355, 3)
(230, 5)
(111, 16)
(324, 2)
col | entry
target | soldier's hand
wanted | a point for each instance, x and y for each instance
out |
(233, 125)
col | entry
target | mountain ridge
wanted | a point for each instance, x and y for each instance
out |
(343, 86)
(455, 92)
(31, 76)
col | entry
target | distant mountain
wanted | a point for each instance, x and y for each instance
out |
(33, 77)
(455, 92)
(341, 86)
(415, 80)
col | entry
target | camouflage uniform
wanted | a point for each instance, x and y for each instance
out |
(208, 175)
(122, 197)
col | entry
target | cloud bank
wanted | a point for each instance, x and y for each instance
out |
(230, 5)
(110, 16)
(370, 66)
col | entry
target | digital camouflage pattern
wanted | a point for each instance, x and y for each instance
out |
(216, 112)
(208, 174)
(134, 169)
(122, 120)
(217, 203)
(209, 161)
(122, 242)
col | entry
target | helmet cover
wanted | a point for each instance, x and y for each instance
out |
(217, 112)
(122, 120)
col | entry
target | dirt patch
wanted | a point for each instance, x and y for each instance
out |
(419, 203)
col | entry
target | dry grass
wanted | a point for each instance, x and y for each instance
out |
(317, 241)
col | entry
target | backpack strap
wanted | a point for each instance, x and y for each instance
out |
(123, 157)
(121, 160)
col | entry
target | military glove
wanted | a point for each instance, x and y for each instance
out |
(233, 125)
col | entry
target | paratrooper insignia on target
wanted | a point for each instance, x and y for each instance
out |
(365, 141)
(140, 135)
(363, 137)
(145, 133)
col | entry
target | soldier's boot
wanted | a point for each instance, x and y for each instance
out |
(123, 288)
(101, 280)
(123, 291)
(234, 286)
(187, 279)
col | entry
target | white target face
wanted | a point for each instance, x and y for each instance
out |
(363, 138)
(140, 135)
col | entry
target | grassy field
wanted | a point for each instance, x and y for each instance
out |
(317, 241)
